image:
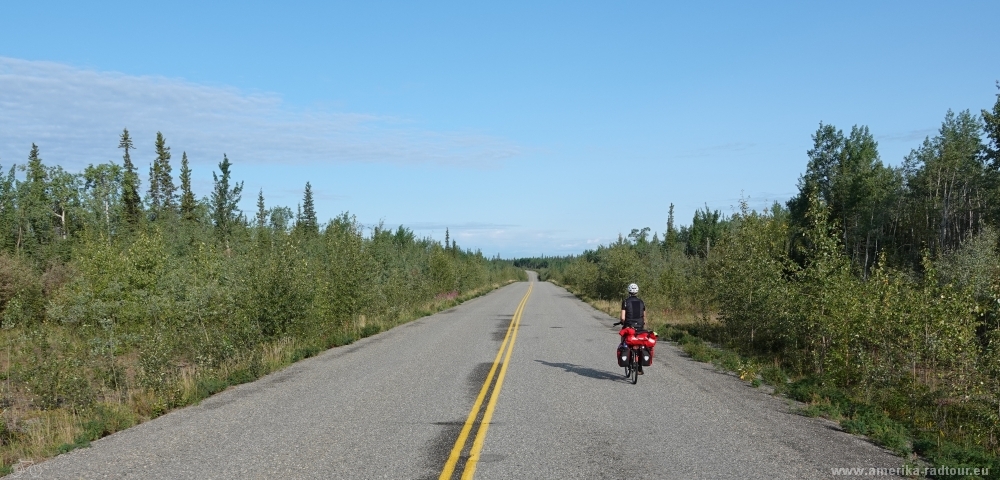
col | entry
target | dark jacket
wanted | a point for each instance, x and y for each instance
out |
(634, 308)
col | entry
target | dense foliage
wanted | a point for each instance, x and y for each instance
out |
(879, 282)
(114, 309)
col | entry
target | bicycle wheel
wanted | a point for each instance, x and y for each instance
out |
(634, 362)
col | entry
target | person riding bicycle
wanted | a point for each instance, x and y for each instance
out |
(633, 312)
(633, 309)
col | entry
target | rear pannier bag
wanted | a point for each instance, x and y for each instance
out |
(622, 355)
(645, 357)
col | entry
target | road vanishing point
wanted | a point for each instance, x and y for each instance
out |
(519, 383)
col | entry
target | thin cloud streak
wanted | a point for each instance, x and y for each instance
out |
(75, 115)
(913, 135)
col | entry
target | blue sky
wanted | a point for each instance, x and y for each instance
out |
(527, 128)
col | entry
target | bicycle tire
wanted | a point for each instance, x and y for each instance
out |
(634, 361)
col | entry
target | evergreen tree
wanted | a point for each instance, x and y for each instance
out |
(162, 194)
(309, 223)
(35, 171)
(447, 239)
(153, 200)
(132, 204)
(165, 180)
(34, 219)
(8, 217)
(706, 229)
(187, 201)
(225, 200)
(261, 211)
(37, 201)
(670, 238)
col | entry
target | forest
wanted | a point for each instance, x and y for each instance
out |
(120, 301)
(873, 295)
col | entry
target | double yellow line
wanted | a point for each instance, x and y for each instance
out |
(477, 444)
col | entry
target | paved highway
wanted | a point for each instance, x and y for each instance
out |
(527, 373)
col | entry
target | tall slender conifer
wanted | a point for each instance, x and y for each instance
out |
(132, 204)
(187, 202)
(309, 222)
(165, 180)
(261, 210)
(225, 200)
(34, 202)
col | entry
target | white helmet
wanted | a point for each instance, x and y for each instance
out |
(633, 288)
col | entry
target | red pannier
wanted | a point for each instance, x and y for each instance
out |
(641, 339)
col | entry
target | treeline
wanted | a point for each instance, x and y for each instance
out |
(116, 306)
(880, 284)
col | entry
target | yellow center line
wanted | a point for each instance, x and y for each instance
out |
(477, 445)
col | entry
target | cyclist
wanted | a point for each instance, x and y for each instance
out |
(633, 312)
(633, 309)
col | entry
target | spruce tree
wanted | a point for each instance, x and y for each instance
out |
(225, 201)
(447, 239)
(309, 222)
(153, 194)
(261, 210)
(670, 238)
(164, 177)
(132, 204)
(162, 194)
(35, 224)
(188, 204)
(8, 217)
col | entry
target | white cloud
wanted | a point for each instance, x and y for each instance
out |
(75, 115)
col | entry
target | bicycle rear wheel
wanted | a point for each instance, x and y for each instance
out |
(634, 363)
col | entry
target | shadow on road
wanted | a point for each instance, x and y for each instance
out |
(583, 371)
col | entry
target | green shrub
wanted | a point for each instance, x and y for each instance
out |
(943, 453)
(370, 330)
(208, 385)
(21, 292)
(305, 352)
(876, 425)
(700, 351)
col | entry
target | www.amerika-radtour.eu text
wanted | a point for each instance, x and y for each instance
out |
(906, 471)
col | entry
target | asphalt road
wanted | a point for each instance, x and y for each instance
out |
(393, 405)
